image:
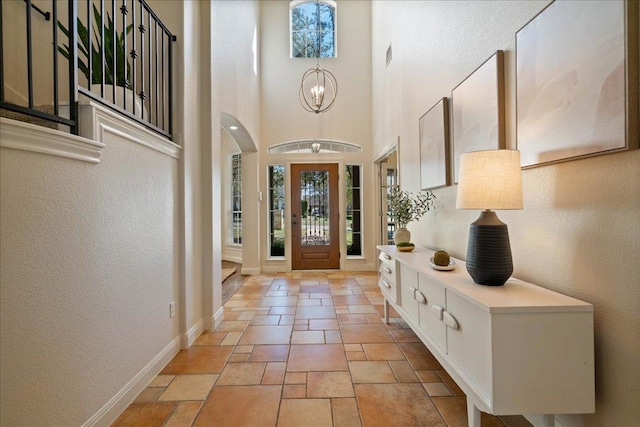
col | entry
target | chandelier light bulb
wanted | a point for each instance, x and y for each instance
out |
(318, 90)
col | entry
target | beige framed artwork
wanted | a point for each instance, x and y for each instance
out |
(478, 110)
(434, 146)
(577, 81)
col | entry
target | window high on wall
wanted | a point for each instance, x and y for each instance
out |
(313, 29)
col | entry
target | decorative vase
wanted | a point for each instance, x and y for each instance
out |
(401, 235)
(121, 94)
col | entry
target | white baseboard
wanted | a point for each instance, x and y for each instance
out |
(251, 271)
(231, 258)
(192, 334)
(218, 318)
(118, 403)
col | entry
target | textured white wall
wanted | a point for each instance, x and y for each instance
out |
(579, 232)
(284, 119)
(235, 24)
(89, 266)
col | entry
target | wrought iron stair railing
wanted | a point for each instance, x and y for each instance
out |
(115, 52)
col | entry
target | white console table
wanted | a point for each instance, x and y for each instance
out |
(513, 349)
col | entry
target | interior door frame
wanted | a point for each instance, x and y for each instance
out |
(384, 153)
(326, 159)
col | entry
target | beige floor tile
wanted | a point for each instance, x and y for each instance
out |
(232, 326)
(278, 301)
(276, 294)
(294, 391)
(189, 387)
(149, 394)
(238, 358)
(346, 319)
(140, 414)
(455, 389)
(428, 376)
(266, 335)
(361, 309)
(403, 371)
(359, 334)
(198, 360)
(356, 355)
(515, 421)
(345, 412)
(351, 300)
(210, 338)
(286, 319)
(385, 351)
(404, 335)
(320, 312)
(420, 357)
(282, 310)
(353, 347)
(295, 378)
(269, 353)
(377, 372)
(332, 337)
(246, 315)
(317, 357)
(300, 327)
(242, 374)
(316, 289)
(307, 337)
(329, 384)
(308, 302)
(232, 338)
(274, 373)
(243, 349)
(437, 389)
(454, 412)
(396, 405)
(323, 324)
(260, 320)
(184, 414)
(305, 412)
(161, 381)
(233, 406)
(373, 318)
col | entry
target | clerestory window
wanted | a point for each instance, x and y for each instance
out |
(313, 29)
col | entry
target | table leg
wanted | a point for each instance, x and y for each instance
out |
(386, 311)
(548, 420)
(473, 414)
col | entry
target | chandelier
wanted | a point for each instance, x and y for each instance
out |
(319, 87)
(318, 90)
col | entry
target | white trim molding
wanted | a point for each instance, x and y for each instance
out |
(28, 137)
(192, 334)
(118, 403)
(95, 120)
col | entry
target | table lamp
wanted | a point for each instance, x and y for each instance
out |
(489, 180)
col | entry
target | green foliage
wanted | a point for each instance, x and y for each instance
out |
(123, 72)
(277, 247)
(406, 207)
(405, 244)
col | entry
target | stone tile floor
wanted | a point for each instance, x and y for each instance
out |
(305, 349)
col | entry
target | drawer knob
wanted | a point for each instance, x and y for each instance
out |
(449, 320)
(387, 270)
(386, 284)
(419, 296)
(437, 311)
(385, 256)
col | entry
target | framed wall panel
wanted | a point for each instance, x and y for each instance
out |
(478, 110)
(434, 146)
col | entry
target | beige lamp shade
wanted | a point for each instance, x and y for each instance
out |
(490, 179)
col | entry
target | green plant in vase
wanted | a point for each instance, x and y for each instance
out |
(86, 47)
(406, 207)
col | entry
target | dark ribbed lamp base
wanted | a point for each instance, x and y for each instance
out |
(489, 259)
